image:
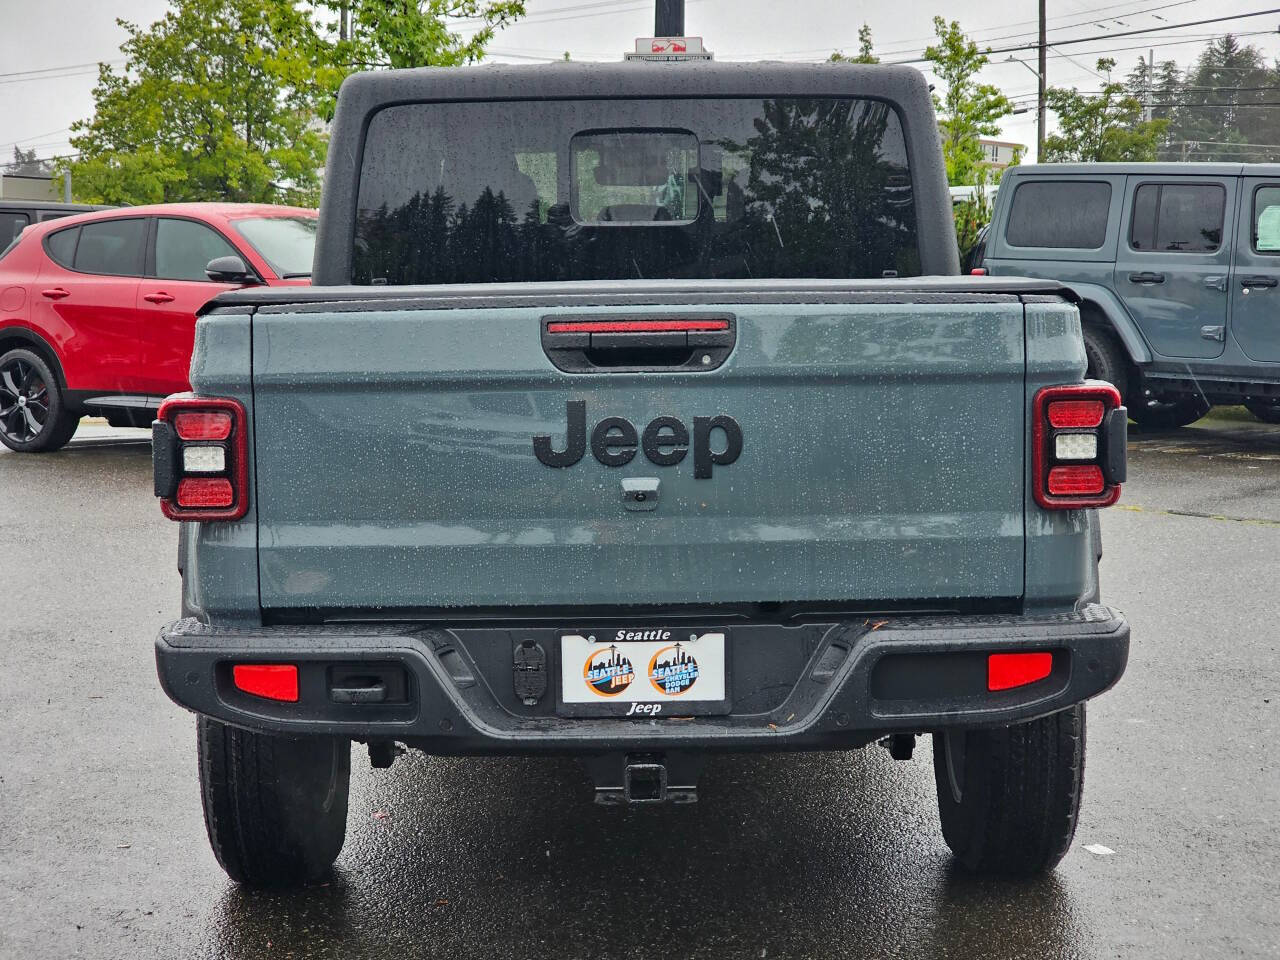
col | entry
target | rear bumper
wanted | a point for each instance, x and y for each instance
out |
(816, 686)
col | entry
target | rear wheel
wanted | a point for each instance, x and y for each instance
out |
(275, 807)
(1268, 411)
(1107, 360)
(1008, 798)
(33, 413)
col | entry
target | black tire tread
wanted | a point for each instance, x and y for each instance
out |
(1264, 411)
(1022, 790)
(1107, 358)
(248, 812)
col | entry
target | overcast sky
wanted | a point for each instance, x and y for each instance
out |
(64, 38)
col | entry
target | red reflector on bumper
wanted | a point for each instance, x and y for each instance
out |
(1076, 413)
(1006, 670)
(274, 681)
(198, 425)
(1072, 481)
(205, 492)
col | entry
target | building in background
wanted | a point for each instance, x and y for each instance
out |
(999, 154)
(21, 187)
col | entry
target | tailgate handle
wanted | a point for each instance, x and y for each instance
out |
(630, 344)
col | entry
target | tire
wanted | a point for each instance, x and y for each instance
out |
(34, 417)
(1019, 792)
(1264, 410)
(1167, 414)
(1107, 359)
(275, 808)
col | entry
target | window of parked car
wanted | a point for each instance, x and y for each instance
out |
(12, 224)
(1178, 217)
(1064, 214)
(112, 247)
(1266, 220)
(61, 246)
(286, 243)
(184, 248)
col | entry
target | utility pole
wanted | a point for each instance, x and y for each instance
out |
(344, 27)
(1043, 72)
(668, 18)
(1149, 106)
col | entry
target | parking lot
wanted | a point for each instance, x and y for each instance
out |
(821, 855)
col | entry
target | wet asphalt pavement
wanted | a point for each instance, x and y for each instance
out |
(103, 854)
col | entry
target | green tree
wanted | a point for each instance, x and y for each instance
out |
(226, 99)
(968, 109)
(864, 49)
(1223, 110)
(1107, 126)
(25, 163)
(373, 34)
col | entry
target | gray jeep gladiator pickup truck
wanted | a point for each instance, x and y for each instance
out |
(637, 413)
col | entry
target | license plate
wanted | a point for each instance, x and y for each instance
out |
(642, 673)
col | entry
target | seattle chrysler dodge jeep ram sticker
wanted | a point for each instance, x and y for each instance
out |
(643, 672)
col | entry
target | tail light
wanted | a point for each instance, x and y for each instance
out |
(1079, 440)
(200, 456)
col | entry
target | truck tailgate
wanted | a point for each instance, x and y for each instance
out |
(882, 458)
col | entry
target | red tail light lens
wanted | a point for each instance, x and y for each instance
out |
(1078, 440)
(201, 454)
(205, 492)
(1076, 481)
(1076, 413)
(273, 681)
(203, 425)
(1008, 670)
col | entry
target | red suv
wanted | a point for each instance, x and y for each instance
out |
(98, 311)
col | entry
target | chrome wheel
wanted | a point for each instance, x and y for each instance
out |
(24, 401)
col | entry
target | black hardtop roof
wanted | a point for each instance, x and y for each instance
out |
(52, 205)
(364, 94)
(899, 84)
(1165, 169)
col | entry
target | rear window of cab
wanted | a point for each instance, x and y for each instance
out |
(558, 190)
(1059, 214)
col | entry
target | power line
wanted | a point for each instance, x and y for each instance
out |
(65, 66)
(907, 46)
(30, 140)
(1115, 36)
(50, 76)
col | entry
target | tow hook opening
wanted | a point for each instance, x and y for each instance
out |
(624, 779)
(645, 783)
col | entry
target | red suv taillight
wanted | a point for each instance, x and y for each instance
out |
(200, 455)
(1079, 439)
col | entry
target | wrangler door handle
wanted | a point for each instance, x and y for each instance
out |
(1147, 277)
(1247, 282)
(1216, 282)
(55, 293)
(160, 297)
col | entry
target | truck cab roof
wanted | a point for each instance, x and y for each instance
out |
(364, 97)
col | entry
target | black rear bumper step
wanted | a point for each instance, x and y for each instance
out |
(835, 685)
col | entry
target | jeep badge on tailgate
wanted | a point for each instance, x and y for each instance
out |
(614, 440)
